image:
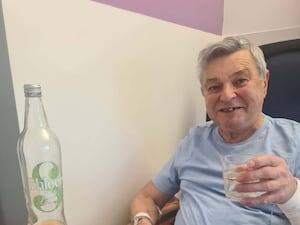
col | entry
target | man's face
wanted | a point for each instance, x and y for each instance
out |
(234, 92)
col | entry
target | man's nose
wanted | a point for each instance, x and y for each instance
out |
(228, 92)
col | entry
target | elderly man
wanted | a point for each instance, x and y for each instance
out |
(234, 82)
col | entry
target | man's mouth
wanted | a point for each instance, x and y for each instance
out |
(230, 109)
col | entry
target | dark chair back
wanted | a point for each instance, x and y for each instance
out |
(283, 62)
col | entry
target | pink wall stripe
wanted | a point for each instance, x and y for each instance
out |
(205, 15)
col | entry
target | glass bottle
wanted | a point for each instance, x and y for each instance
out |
(40, 164)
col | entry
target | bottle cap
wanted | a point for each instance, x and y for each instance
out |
(32, 90)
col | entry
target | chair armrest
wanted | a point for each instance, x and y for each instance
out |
(169, 212)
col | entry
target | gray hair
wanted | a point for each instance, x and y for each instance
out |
(228, 46)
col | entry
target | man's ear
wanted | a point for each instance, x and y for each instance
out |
(267, 75)
(266, 81)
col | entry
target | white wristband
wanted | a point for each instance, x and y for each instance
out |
(292, 207)
(141, 215)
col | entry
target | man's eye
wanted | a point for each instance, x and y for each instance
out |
(240, 82)
(213, 88)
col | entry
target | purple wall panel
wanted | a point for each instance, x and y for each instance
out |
(205, 15)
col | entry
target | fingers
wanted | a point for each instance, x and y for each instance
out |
(275, 192)
(269, 176)
(265, 160)
(263, 199)
(240, 168)
(265, 167)
(259, 186)
(261, 174)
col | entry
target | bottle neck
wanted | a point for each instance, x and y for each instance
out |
(35, 116)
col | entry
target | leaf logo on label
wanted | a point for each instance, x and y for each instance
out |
(47, 179)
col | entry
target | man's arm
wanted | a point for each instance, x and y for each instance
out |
(291, 208)
(146, 201)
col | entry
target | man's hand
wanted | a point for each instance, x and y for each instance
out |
(275, 181)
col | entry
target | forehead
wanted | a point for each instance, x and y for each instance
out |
(241, 60)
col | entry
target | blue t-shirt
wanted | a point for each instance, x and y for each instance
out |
(195, 170)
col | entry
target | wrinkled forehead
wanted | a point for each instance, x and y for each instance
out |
(228, 64)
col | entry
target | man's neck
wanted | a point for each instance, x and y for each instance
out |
(237, 136)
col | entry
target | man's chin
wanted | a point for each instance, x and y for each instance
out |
(232, 125)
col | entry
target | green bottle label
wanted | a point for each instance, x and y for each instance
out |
(47, 180)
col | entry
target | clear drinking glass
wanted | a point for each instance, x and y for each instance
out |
(232, 165)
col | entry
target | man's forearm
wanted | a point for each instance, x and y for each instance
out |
(292, 207)
(142, 205)
(146, 203)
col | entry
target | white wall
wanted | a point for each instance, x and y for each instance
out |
(120, 90)
(262, 21)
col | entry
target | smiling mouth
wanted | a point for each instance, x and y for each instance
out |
(230, 109)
